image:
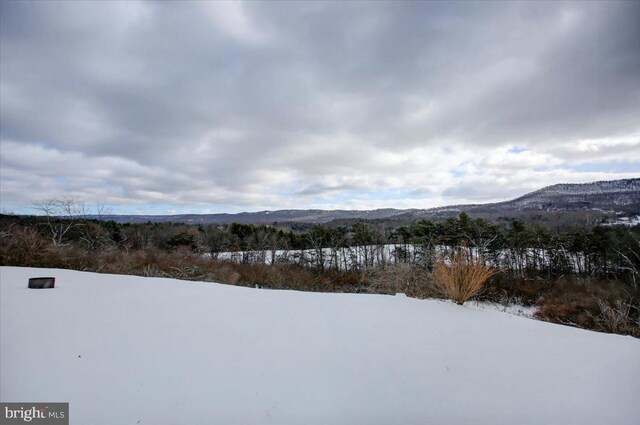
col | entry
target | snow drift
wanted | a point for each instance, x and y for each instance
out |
(132, 350)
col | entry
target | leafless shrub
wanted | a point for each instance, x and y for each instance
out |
(27, 247)
(391, 279)
(599, 305)
(6, 231)
(225, 274)
(461, 278)
(150, 270)
(616, 317)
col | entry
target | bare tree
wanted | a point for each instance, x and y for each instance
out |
(261, 244)
(276, 241)
(102, 211)
(337, 241)
(316, 238)
(631, 260)
(215, 240)
(61, 215)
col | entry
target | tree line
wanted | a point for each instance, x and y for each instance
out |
(516, 247)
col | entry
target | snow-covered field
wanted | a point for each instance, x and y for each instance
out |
(625, 221)
(131, 350)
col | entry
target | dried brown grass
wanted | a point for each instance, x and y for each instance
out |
(604, 306)
(617, 317)
(462, 278)
(412, 280)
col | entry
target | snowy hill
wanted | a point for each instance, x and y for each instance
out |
(131, 350)
(614, 195)
(610, 195)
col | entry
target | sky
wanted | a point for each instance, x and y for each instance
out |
(155, 107)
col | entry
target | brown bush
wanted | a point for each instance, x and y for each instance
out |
(508, 289)
(27, 247)
(410, 279)
(225, 274)
(605, 306)
(618, 317)
(461, 279)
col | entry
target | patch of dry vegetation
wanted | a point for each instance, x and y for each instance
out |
(410, 279)
(605, 306)
(460, 277)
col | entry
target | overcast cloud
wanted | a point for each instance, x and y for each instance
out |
(162, 107)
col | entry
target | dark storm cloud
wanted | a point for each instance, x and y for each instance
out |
(262, 104)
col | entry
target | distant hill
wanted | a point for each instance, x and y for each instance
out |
(614, 195)
(289, 216)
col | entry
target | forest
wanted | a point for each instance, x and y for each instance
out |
(583, 275)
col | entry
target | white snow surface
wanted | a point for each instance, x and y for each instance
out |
(132, 350)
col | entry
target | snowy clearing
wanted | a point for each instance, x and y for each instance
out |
(131, 350)
(515, 309)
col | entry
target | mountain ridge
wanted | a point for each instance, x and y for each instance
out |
(605, 195)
